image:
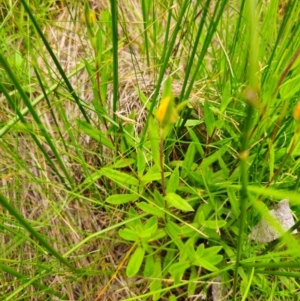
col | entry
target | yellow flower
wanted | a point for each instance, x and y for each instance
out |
(166, 112)
(89, 17)
(297, 112)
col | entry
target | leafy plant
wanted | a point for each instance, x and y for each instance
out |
(146, 140)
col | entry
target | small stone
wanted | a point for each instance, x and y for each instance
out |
(265, 233)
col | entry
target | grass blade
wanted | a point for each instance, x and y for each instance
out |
(5, 204)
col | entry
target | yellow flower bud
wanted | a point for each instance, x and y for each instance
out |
(296, 113)
(166, 112)
(89, 17)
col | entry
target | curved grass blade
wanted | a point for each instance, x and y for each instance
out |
(35, 283)
(35, 139)
(4, 202)
(55, 60)
(37, 120)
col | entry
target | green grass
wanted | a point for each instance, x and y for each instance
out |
(104, 194)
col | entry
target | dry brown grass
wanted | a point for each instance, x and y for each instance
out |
(27, 180)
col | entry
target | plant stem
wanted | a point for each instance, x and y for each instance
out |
(161, 157)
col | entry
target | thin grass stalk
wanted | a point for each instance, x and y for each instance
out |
(237, 32)
(35, 283)
(154, 38)
(280, 81)
(114, 24)
(191, 61)
(291, 6)
(6, 205)
(278, 273)
(167, 50)
(251, 96)
(145, 26)
(244, 191)
(272, 265)
(211, 30)
(245, 295)
(274, 243)
(36, 118)
(56, 62)
(35, 139)
(5, 128)
(50, 108)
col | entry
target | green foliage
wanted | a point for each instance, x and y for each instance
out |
(218, 82)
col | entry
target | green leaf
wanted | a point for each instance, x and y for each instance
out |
(150, 227)
(208, 252)
(234, 203)
(290, 87)
(167, 88)
(148, 208)
(214, 224)
(123, 163)
(188, 252)
(208, 118)
(196, 141)
(173, 181)
(188, 230)
(118, 199)
(119, 177)
(143, 98)
(169, 258)
(192, 284)
(173, 230)
(160, 233)
(128, 234)
(135, 262)
(208, 257)
(205, 264)
(94, 133)
(200, 218)
(200, 250)
(149, 266)
(114, 175)
(158, 198)
(150, 177)
(188, 160)
(214, 260)
(178, 202)
(93, 177)
(226, 96)
(141, 162)
(134, 223)
(155, 285)
(224, 167)
(214, 157)
(177, 270)
(192, 123)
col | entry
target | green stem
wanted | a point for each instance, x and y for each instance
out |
(114, 21)
(244, 193)
(161, 158)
